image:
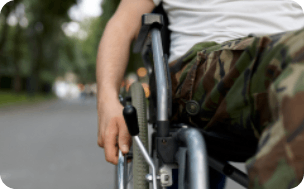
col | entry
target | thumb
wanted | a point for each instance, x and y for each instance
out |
(124, 138)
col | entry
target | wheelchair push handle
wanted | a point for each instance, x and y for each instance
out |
(130, 115)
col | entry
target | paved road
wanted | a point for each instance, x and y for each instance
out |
(52, 145)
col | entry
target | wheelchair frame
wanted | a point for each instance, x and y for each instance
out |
(179, 144)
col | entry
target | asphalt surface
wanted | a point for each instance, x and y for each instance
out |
(54, 145)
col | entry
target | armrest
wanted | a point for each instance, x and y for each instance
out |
(149, 21)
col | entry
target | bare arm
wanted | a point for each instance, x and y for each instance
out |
(112, 61)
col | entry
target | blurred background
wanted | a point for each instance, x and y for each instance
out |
(48, 117)
(51, 46)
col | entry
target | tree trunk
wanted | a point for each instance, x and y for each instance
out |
(6, 11)
(3, 38)
(36, 65)
(7, 8)
(17, 84)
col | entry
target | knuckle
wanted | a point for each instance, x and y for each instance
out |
(110, 130)
(124, 138)
(124, 130)
(107, 132)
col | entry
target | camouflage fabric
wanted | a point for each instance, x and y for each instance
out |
(254, 88)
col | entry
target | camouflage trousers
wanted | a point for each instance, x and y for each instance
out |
(252, 87)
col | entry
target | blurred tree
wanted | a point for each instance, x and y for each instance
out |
(46, 18)
(36, 46)
(8, 9)
(31, 40)
(4, 26)
(16, 58)
(5, 12)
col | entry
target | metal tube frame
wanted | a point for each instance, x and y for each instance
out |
(197, 157)
(193, 139)
(148, 159)
(160, 75)
(229, 170)
(121, 171)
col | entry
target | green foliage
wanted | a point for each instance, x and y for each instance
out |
(42, 51)
(35, 51)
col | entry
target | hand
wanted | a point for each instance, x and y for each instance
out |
(111, 127)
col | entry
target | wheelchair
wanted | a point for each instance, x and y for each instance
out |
(180, 154)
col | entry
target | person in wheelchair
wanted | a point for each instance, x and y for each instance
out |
(242, 62)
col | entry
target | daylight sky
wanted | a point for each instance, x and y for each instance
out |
(85, 9)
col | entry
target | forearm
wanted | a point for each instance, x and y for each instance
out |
(115, 44)
(112, 59)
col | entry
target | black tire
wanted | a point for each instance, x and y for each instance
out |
(140, 167)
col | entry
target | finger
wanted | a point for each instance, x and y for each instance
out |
(110, 141)
(100, 141)
(124, 139)
(100, 138)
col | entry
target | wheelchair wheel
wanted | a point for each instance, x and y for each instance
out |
(140, 167)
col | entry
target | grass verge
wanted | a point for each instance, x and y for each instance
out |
(8, 98)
